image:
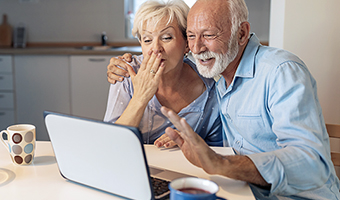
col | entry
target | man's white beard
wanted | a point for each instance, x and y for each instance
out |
(221, 60)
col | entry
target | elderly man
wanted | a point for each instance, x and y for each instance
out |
(269, 107)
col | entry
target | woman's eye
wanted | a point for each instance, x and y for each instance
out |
(167, 38)
(147, 40)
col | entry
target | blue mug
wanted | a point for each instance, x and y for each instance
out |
(191, 188)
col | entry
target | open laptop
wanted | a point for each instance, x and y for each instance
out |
(104, 156)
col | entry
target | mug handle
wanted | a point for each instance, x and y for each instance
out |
(220, 198)
(2, 139)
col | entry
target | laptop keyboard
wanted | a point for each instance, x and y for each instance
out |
(160, 188)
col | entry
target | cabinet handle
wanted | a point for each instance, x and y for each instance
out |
(1, 77)
(2, 113)
(2, 96)
(97, 59)
(0, 59)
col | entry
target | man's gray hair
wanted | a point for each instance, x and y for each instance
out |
(238, 14)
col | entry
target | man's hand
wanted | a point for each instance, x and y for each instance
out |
(194, 148)
(192, 145)
(115, 73)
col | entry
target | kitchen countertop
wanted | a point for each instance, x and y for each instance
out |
(97, 50)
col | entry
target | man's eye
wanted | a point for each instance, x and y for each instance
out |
(147, 41)
(191, 37)
(208, 36)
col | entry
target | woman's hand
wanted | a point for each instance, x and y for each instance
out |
(115, 73)
(145, 84)
(164, 141)
(146, 81)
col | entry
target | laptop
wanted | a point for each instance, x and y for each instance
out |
(105, 156)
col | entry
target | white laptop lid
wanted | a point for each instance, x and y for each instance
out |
(102, 155)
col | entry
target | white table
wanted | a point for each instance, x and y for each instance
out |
(41, 180)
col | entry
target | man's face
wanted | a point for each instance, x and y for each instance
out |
(210, 39)
(222, 61)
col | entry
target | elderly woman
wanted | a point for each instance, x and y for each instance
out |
(162, 77)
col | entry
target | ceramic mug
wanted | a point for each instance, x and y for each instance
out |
(191, 188)
(20, 143)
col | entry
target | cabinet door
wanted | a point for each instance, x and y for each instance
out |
(6, 100)
(89, 86)
(5, 64)
(42, 83)
(6, 119)
(6, 81)
(7, 114)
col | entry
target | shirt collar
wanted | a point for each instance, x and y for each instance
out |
(247, 64)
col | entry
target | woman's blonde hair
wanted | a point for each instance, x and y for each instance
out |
(156, 10)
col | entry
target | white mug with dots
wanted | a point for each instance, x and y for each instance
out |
(20, 143)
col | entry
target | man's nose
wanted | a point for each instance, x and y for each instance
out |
(197, 46)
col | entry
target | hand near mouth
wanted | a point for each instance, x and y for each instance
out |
(146, 81)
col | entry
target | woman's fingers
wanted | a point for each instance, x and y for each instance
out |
(170, 144)
(159, 72)
(145, 60)
(151, 62)
(162, 140)
(154, 62)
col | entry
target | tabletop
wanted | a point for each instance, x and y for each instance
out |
(42, 180)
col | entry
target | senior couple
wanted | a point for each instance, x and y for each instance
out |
(264, 104)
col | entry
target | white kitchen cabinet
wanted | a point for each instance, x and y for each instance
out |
(42, 83)
(7, 110)
(89, 86)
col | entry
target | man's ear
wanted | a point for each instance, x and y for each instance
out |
(187, 49)
(243, 33)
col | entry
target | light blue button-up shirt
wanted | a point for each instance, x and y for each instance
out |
(202, 114)
(271, 113)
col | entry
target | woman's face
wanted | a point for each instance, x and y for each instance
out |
(165, 39)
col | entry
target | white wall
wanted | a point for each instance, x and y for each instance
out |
(67, 20)
(309, 29)
(84, 20)
(259, 14)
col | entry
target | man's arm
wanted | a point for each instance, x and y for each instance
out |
(201, 155)
(115, 73)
